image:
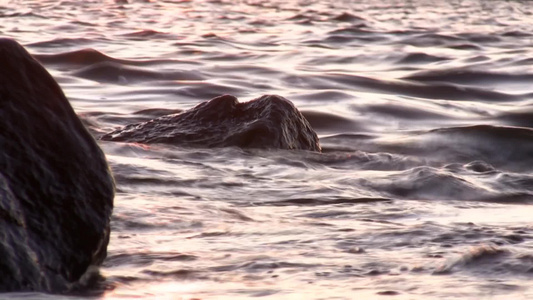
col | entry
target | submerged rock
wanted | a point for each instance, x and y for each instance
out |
(56, 191)
(269, 121)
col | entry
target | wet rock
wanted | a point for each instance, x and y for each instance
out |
(268, 122)
(56, 192)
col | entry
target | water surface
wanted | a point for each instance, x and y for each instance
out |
(425, 115)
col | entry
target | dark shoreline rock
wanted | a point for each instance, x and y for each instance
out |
(270, 122)
(56, 190)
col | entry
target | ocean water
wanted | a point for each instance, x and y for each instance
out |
(424, 109)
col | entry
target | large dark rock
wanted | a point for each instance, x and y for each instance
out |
(267, 122)
(56, 191)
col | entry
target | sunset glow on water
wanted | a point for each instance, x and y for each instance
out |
(424, 111)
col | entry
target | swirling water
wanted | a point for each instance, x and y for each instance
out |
(425, 114)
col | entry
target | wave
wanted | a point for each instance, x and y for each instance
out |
(88, 56)
(325, 122)
(428, 90)
(505, 148)
(20, 14)
(146, 258)
(320, 201)
(421, 58)
(348, 17)
(61, 42)
(114, 72)
(430, 40)
(519, 117)
(82, 57)
(144, 34)
(468, 76)
(486, 259)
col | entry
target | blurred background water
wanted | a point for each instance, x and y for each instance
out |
(425, 114)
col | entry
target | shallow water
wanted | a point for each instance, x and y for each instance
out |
(425, 115)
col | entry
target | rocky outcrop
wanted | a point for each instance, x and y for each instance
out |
(56, 191)
(267, 122)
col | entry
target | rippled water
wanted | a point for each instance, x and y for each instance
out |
(425, 114)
